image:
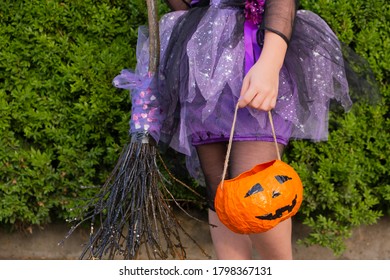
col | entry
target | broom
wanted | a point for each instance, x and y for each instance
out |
(131, 208)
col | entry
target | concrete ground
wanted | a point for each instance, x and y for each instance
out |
(367, 243)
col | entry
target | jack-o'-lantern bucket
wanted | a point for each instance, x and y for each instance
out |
(258, 199)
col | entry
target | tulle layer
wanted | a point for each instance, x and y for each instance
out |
(313, 74)
(201, 73)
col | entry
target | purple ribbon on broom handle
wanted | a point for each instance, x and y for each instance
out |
(146, 110)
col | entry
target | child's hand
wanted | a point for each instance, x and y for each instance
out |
(260, 86)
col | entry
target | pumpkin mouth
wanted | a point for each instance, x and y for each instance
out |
(279, 212)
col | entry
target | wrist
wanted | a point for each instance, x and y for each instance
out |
(274, 50)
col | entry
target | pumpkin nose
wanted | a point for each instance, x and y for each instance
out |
(275, 194)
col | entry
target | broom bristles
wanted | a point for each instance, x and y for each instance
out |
(132, 211)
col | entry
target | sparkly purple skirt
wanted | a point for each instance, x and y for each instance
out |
(198, 102)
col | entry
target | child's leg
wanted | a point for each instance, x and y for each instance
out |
(275, 243)
(227, 244)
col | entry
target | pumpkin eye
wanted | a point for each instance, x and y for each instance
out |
(255, 189)
(282, 178)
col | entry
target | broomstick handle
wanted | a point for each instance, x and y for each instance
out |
(154, 37)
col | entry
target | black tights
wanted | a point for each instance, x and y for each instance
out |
(244, 155)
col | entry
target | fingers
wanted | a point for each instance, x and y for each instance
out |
(267, 103)
(259, 93)
(245, 97)
(258, 100)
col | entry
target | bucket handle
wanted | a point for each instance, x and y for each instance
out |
(231, 141)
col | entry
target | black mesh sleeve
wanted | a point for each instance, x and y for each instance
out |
(279, 17)
(177, 5)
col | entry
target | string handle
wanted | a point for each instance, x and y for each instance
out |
(231, 141)
(274, 135)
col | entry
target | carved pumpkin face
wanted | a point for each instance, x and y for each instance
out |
(259, 199)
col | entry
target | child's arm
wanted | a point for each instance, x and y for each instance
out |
(260, 85)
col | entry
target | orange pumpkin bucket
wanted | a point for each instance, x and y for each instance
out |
(258, 199)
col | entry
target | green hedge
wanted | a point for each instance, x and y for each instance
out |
(346, 179)
(63, 124)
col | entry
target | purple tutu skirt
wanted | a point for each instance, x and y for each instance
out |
(202, 110)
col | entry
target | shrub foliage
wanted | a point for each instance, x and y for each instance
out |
(61, 120)
(346, 179)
